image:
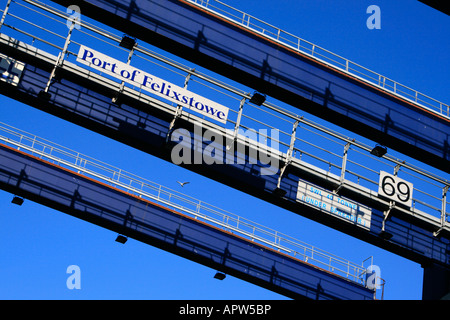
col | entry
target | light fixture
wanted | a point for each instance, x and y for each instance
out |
(44, 95)
(121, 239)
(258, 98)
(379, 151)
(279, 192)
(219, 275)
(17, 200)
(385, 235)
(127, 42)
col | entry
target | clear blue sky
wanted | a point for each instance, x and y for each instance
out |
(37, 244)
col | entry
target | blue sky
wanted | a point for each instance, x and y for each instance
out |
(37, 244)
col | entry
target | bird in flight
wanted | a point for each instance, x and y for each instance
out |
(183, 183)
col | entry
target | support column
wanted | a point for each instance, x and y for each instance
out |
(436, 283)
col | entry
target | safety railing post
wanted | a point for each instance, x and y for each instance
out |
(443, 210)
(5, 12)
(159, 192)
(276, 237)
(343, 167)
(238, 120)
(116, 97)
(60, 59)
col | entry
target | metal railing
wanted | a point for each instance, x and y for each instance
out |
(197, 209)
(325, 56)
(314, 144)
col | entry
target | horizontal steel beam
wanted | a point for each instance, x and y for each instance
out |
(161, 109)
(143, 122)
(109, 207)
(232, 50)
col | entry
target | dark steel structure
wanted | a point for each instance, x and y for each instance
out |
(85, 198)
(438, 5)
(76, 94)
(285, 73)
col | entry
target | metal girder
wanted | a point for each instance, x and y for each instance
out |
(159, 109)
(170, 230)
(270, 67)
(165, 111)
(438, 5)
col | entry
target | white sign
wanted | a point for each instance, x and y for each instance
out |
(333, 204)
(396, 189)
(152, 84)
(10, 70)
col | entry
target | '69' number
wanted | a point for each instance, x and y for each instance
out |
(394, 188)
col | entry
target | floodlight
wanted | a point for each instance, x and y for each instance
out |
(379, 151)
(17, 200)
(121, 239)
(219, 275)
(258, 98)
(44, 95)
(127, 42)
(279, 192)
(385, 235)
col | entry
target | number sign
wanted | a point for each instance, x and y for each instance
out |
(396, 189)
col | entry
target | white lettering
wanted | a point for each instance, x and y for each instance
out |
(326, 202)
(249, 309)
(196, 310)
